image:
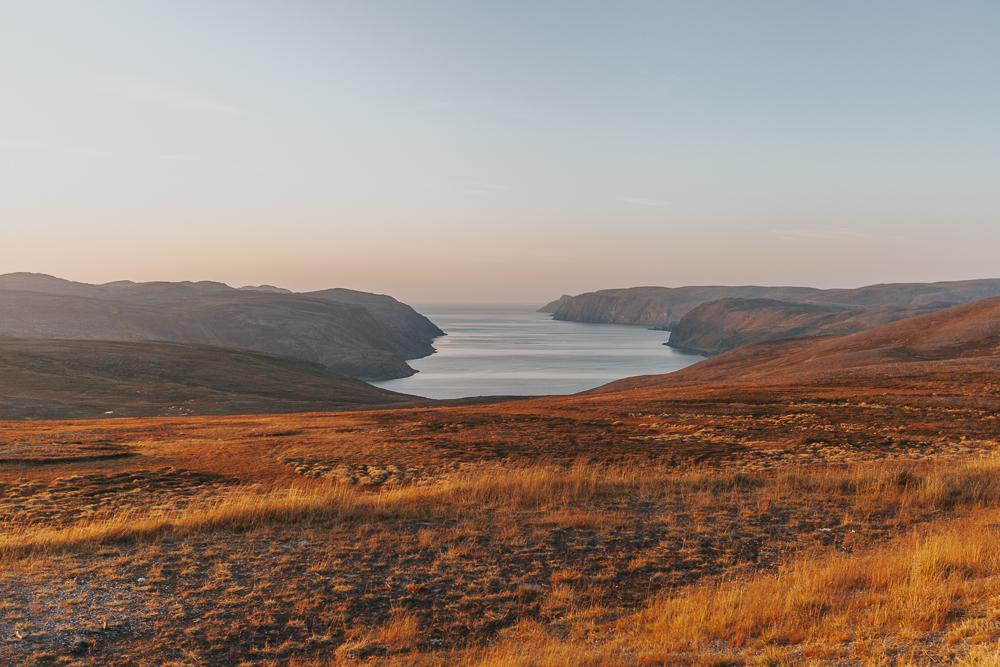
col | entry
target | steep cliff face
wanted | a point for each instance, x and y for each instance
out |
(352, 333)
(718, 326)
(663, 307)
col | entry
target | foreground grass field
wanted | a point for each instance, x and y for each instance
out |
(420, 536)
(817, 514)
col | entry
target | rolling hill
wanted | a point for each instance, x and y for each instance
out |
(960, 343)
(831, 501)
(663, 307)
(718, 326)
(657, 307)
(352, 333)
(63, 379)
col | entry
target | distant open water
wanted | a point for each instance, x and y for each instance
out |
(515, 351)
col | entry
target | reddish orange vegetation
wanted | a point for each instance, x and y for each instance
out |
(643, 524)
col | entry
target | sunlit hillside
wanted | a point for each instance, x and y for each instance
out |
(831, 517)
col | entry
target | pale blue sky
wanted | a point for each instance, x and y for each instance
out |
(500, 151)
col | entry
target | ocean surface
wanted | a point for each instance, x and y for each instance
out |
(516, 351)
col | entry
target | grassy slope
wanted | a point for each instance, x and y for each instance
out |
(961, 339)
(830, 517)
(718, 326)
(85, 378)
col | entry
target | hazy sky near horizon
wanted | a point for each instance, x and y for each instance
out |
(500, 151)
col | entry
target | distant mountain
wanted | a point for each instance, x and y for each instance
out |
(403, 320)
(663, 307)
(89, 378)
(267, 288)
(553, 306)
(659, 307)
(919, 295)
(352, 333)
(40, 282)
(958, 342)
(725, 324)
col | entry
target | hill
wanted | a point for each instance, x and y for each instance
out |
(827, 501)
(353, 333)
(658, 307)
(402, 320)
(71, 379)
(663, 307)
(961, 342)
(553, 306)
(718, 326)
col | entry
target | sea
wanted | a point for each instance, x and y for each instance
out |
(515, 351)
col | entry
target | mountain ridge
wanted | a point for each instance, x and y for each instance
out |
(663, 307)
(952, 341)
(359, 335)
(718, 326)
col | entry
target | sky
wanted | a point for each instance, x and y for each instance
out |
(509, 151)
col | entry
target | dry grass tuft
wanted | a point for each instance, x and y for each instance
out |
(241, 510)
(560, 491)
(401, 632)
(826, 606)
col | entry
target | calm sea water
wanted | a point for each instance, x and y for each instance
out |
(515, 351)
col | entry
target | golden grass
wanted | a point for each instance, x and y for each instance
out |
(853, 609)
(909, 487)
(558, 490)
(942, 487)
(401, 632)
(240, 510)
(833, 607)
(904, 591)
(643, 554)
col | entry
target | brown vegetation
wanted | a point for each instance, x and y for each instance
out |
(718, 326)
(81, 379)
(843, 514)
(664, 307)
